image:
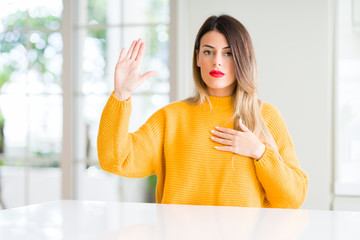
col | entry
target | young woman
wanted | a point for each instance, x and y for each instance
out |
(221, 147)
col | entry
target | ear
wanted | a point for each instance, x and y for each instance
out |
(197, 58)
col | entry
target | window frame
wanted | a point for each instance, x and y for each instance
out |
(69, 29)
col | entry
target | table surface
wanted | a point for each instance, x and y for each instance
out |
(115, 220)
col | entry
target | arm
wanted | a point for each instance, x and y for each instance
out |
(123, 153)
(284, 182)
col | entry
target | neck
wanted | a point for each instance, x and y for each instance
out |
(222, 92)
(220, 102)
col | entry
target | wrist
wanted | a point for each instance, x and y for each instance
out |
(259, 152)
(122, 96)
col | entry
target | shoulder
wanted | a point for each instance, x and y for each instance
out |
(272, 116)
(176, 105)
(269, 111)
(172, 109)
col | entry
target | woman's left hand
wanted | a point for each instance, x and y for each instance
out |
(242, 142)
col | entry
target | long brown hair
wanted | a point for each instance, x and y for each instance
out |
(245, 102)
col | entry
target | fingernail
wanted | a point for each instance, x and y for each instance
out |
(212, 131)
(217, 127)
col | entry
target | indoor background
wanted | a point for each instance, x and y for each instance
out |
(56, 73)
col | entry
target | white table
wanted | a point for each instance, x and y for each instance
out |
(110, 220)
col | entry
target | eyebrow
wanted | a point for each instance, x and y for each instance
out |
(209, 46)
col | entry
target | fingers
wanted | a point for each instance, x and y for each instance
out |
(225, 136)
(226, 130)
(136, 49)
(148, 75)
(232, 131)
(222, 135)
(122, 54)
(128, 54)
(242, 126)
(222, 141)
(135, 52)
(141, 52)
(225, 148)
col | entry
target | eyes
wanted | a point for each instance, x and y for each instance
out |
(208, 53)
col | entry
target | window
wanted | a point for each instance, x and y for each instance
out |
(30, 101)
(33, 89)
(347, 137)
(102, 28)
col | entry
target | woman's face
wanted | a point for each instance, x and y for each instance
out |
(216, 64)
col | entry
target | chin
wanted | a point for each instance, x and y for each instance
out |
(216, 87)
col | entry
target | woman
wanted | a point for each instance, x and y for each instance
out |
(221, 147)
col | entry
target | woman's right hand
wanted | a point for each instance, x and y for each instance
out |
(127, 76)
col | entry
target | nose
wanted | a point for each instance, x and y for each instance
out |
(217, 61)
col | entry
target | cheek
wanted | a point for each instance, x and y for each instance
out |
(201, 63)
(204, 67)
(231, 68)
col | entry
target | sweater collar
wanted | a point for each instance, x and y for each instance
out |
(220, 102)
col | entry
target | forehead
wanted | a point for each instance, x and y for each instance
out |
(215, 39)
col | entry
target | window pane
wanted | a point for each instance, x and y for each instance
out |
(13, 17)
(134, 11)
(92, 182)
(97, 185)
(94, 67)
(97, 10)
(11, 40)
(13, 186)
(30, 65)
(118, 23)
(47, 192)
(13, 63)
(156, 56)
(16, 14)
(146, 11)
(43, 17)
(101, 50)
(45, 62)
(45, 133)
(348, 102)
(349, 130)
(13, 115)
(91, 108)
(144, 106)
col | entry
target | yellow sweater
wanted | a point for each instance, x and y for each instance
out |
(175, 145)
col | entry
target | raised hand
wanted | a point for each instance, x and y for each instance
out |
(242, 142)
(127, 76)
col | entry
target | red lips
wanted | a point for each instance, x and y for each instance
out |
(217, 74)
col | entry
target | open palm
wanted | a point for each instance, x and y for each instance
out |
(127, 70)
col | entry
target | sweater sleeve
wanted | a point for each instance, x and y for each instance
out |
(284, 182)
(128, 154)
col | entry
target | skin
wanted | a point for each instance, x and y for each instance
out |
(127, 75)
(214, 54)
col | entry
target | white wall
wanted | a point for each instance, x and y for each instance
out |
(292, 41)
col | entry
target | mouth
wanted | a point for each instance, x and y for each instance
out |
(217, 74)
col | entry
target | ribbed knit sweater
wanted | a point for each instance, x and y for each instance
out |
(175, 144)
